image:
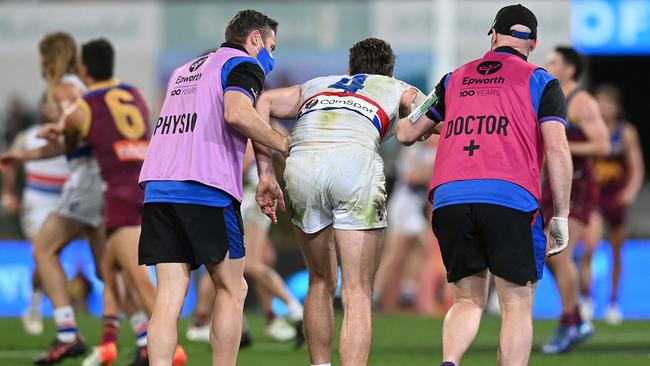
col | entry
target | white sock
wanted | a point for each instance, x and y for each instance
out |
(323, 364)
(66, 325)
(37, 297)
(140, 323)
(294, 310)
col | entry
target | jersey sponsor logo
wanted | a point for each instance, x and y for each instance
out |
(356, 103)
(131, 150)
(196, 64)
(488, 67)
(342, 101)
(311, 104)
(469, 81)
(181, 79)
(176, 123)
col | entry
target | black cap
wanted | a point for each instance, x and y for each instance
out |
(515, 14)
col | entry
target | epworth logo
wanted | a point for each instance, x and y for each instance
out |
(489, 67)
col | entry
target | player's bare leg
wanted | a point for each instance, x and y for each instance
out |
(57, 231)
(360, 252)
(32, 319)
(264, 275)
(592, 236)
(409, 285)
(393, 260)
(565, 270)
(173, 279)
(230, 289)
(106, 352)
(205, 304)
(617, 237)
(264, 298)
(96, 237)
(463, 319)
(124, 243)
(319, 250)
(199, 331)
(516, 337)
(572, 329)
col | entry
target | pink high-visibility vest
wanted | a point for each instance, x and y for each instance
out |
(191, 139)
(491, 129)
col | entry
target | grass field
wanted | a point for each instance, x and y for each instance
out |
(398, 340)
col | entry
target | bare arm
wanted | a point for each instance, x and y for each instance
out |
(560, 167)
(63, 137)
(281, 103)
(10, 200)
(584, 111)
(52, 149)
(635, 164)
(240, 114)
(407, 132)
(278, 103)
(249, 156)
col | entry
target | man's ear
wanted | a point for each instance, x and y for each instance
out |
(533, 45)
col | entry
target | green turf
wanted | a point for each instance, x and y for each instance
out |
(398, 340)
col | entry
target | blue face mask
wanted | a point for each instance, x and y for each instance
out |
(266, 60)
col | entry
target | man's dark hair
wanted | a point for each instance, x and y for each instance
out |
(372, 56)
(572, 57)
(99, 58)
(246, 21)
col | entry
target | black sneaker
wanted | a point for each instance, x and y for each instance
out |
(141, 357)
(300, 334)
(60, 351)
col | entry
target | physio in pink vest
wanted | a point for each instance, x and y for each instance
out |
(192, 176)
(498, 117)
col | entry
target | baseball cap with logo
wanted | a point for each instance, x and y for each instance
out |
(511, 15)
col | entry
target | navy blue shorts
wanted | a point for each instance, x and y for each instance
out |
(189, 233)
(474, 237)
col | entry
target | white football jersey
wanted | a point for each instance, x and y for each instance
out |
(359, 109)
(53, 168)
(74, 79)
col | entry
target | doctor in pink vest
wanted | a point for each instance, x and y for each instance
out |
(192, 176)
(502, 116)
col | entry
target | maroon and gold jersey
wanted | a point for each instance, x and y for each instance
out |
(611, 173)
(584, 189)
(117, 129)
(611, 170)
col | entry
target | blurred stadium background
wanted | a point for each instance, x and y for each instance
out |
(429, 38)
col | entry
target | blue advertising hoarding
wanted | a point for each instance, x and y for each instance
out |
(611, 27)
(16, 266)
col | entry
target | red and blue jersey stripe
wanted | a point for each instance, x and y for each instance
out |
(380, 120)
(45, 183)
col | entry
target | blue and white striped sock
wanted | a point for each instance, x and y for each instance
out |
(66, 325)
(140, 323)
